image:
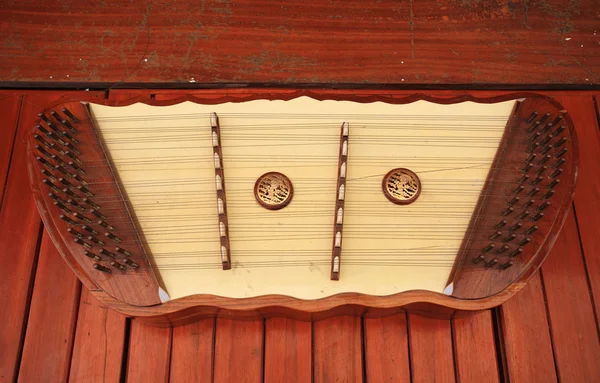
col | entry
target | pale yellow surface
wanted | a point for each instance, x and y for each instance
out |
(386, 248)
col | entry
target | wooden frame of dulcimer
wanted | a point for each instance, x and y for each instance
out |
(507, 238)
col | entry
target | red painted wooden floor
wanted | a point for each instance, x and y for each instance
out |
(52, 330)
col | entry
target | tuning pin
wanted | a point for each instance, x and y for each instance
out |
(95, 240)
(58, 160)
(73, 157)
(524, 241)
(488, 247)
(68, 192)
(495, 235)
(81, 242)
(65, 182)
(553, 183)
(516, 226)
(55, 197)
(72, 148)
(532, 117)
(531, 230)
(102, 268)
(533, 192)
(546, 128)
(89, 229)
(50, 176)
(96, 213)
(70, 115)
(491, 262)
(519, 189)
(513, 201)
(84, 190)
(43, 151)
(507, 264)
(117, 265)
(510, 238)
(556, 173)
(531, 157)
(556, 120)
(549, 193)
(527, 168)
(516, 252)
(72, 202)
(130, 263)
(559, 162)
(545, 159)
(76, 177)
(95, 257)
(69, 126)
(535, 136)
(73, 165)
(41, 140)
(508, 210)
(105, 225)
(561, 153)
(500, 224)
(533, 127)
(544, 205)
(503, 248)
(561, 142)
(524, 178)
(113, 237)
(44, 118)
(538, 216)
(56, 116)
(91, 203)
(544, 118)
(62, 207)
(528, 203)
(524, 214)
(537, 180)
(546, 149)
(75, 232)
(122, 251)
(541, 170)
(478, 259)
(43, 161)
(46, 132)
(82, 218)
(51, 186)
(546, 139)
(61, 169)
(559, 130)
(107, 253)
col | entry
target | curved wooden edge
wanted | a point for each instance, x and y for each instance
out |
(421, 302)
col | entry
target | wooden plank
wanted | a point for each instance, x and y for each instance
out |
(149, 353)
(526, 337)
(10, 105)
(430, 349)
(52, 319)
(19, 238)
(288, 350)
(99, 340)
(587, 192)
(249, 41)
(192, 352)
(386, 349)
(474, 348)
(239, 351)
(570, 309)
(337, 350)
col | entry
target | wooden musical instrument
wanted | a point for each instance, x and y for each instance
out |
(306, 203)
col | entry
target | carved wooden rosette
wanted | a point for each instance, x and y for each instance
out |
(523, 202)
(84, 208)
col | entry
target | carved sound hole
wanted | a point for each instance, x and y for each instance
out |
(401, 186)
(273, 191)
